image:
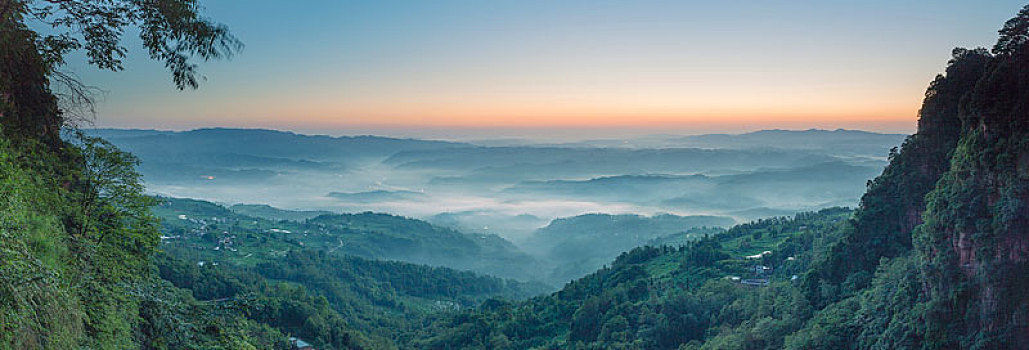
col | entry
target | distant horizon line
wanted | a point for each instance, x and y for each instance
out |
(429, 131)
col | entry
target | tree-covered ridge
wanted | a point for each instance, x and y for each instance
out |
(300, 278)
(201, 230)
(76, 238)
(211, 236)
(975, 242)
(80, 271)
(337, 302)
(659, 297)
(963, 284)
(894, 201)
(936, 257)
(581, 244)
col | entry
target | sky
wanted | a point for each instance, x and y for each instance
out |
(453, 69)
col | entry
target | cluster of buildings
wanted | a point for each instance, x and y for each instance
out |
(761, 273)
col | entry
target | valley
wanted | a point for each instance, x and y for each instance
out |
(513, 175)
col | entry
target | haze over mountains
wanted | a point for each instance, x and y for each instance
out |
(510, 190)
(264, 239)
(517, 188)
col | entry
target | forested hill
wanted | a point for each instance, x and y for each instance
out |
(82, 271)
(663, 297)
(201, 230)
(935, 257)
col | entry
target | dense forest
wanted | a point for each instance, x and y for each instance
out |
(935, 257)
(194, 227)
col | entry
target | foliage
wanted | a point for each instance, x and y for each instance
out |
(280, 269)
(37, 307)
(661, 297)
(233, 238)
(1014, 34)
(936, 256)
(172, 319)
(75, 251)
(172, 31)
(892, 206)
(112, 214)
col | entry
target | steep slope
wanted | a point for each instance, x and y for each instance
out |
(963, 285)
(74, 261)
(975, 242)
(936, 257)
(33, 296)
(894, 201)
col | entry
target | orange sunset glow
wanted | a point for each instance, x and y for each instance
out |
(585, 66)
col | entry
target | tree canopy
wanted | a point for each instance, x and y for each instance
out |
(172, 31)
(1014, 33)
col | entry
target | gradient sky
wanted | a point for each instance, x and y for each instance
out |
(429, 68)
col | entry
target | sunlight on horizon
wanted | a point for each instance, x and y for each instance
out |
(582, 68)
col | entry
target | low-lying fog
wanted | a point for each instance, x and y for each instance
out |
(514, 188)
(533, 195)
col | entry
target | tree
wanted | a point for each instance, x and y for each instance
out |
(97, 197)
(172, 31)
(113, 212)
(1014, 34)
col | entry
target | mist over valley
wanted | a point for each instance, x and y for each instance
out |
(510, 175)
(524, 195)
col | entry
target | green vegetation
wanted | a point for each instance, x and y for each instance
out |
(199, 230)
(76, 242)
(81, 270)
(661, 297)
(355, 303)
(581, 244)
(893, 205)
(272, 213)
(936, 256)
(306, 278)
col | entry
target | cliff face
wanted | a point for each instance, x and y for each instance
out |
(975, 242)
(952, 208)
(893, 205)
